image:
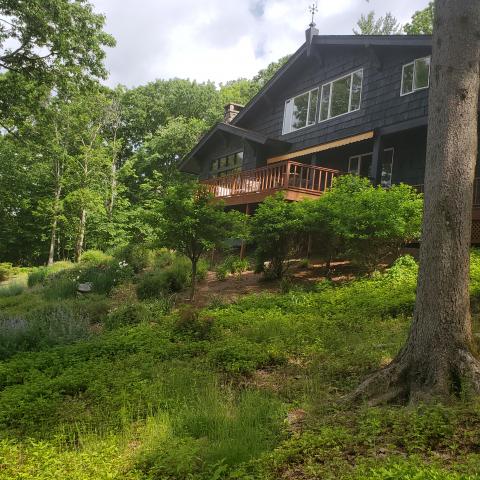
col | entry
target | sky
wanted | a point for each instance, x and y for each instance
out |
(221, 40)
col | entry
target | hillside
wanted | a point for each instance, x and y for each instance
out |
(252, 390)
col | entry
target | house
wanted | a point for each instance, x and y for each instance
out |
(356, 104)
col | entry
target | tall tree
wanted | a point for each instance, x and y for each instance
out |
(369, 25)
(422, 21)
(439, 358)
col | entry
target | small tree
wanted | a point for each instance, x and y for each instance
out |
(276, 230)
(369, 25)
(371, 223)
(193, 223)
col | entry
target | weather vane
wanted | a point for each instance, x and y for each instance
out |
(313, 8)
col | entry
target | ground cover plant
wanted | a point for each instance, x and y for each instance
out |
(248, 390)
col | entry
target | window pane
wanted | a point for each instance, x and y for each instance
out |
(353, 165)
(387, 167)
(407, 79)
(422, 72)
(325, 101)
(366, 166)
(357, 78)
(312, 111)
(340, 96)
(223, 162)
(300, 111)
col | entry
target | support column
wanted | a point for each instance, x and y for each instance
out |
(377, 159)
(243, 246)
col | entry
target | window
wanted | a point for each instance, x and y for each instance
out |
(361, 165)
(300, 111)
(228, 165)
(341, 96)
(415, 75)
(387, 168)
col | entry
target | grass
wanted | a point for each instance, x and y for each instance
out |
(251, 390)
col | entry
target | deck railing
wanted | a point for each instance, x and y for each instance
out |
(476, 191)
(278, 176)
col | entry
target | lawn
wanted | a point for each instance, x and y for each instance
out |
(116, 388)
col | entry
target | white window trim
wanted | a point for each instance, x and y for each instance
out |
(413, 78)
(292, 99)
(330, 97)
(359, 158)
(390, 149)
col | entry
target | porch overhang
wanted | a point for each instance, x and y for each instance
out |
(322, 147)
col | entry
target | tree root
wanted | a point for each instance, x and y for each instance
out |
(406, 381)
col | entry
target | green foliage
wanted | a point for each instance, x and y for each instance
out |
(204, 394)
(130, 314)
(232, 264)
(276, 230)
(42, 328)
(370, 223)
(369, 25)
(241, 356)
(12, 289)
(189, 322)
(191, 223)
(6, 270)
(95, 258)
(422, 21)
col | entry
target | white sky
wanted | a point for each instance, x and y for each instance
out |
(221, 40)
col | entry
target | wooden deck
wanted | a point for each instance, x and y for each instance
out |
(296, 180)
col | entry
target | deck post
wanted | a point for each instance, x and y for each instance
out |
(243, 246)
(377, 159)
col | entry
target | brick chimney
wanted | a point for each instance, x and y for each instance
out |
(231, 111)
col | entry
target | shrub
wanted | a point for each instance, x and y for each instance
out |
(37, 276)
(42, 328)
(12, 290)
(221, 272)
(372, 223)
(131, 314)
(172, 279)
(96, 258)
(190, 322)
(138, 257)
(277, 230)
(6, 271)
(240, 356)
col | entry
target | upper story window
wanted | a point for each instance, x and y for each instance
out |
(226, 165)
(415, 75)
(341, 96)
(300, 111)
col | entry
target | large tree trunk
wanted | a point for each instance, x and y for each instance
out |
(81, 235)
(439, 358)
(53, 231)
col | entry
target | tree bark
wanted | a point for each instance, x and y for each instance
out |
(193, 286)
(440, 359)
(53, 231)
(81, 234)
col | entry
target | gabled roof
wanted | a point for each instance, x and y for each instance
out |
(338, 40)
(232, 130)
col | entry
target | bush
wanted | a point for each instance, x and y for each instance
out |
(240, 356)
(131, 314)
(372, 223)
(277, 230)
(221, 272)
(37, 276)
(12, 290)
(189, 322)
(138, 257)
(42, 328)
(6, 271)
(172, 279)
(96, 258)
